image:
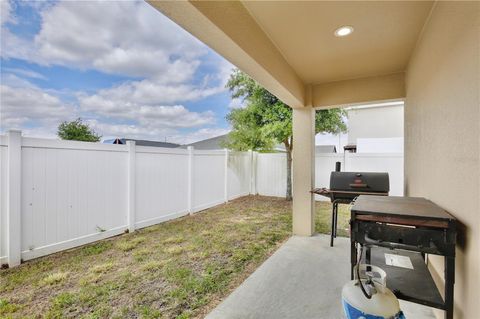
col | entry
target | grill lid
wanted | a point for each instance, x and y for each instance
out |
(360, 182)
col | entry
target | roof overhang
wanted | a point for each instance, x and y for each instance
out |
(368, 67)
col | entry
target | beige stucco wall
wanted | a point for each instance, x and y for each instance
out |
(442, 135)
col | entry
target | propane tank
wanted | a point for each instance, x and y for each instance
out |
(382, 303)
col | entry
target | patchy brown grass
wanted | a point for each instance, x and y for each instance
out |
(178, 269)
(324, 216)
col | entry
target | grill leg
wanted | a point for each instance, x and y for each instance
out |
(336, 221)
(353, 257)
(332, 233)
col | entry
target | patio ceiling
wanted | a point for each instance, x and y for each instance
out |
(291, 49)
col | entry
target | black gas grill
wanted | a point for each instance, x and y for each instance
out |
(346, 186)
(406, 228)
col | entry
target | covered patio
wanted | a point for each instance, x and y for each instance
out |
(285, 288)
(425, 53)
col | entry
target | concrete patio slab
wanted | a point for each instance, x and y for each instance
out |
(303, 279)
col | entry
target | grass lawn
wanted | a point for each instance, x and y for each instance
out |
(178, 269)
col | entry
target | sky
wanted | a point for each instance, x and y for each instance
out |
(123, 67)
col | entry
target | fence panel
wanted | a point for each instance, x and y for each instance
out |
(73, 193)
(208, 179)
(239, 172)
(272, 174)
(271, 170)
(386, 162)
(70, 195)
(324, 164)
(161, 185)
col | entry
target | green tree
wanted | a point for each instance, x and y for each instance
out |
(77, 130)
(267, 121)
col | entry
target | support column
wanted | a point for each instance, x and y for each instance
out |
(303, 168)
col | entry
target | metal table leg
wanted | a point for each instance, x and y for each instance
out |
(368, 255)
(449, 285)
(353, 257)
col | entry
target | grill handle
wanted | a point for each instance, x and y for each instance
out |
(358, 185)
(381, 243)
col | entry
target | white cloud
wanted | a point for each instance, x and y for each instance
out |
(225, 70)
(25, 105)
(21, 105)
(15, 81)
(236, 103)
(151, 104)
(13, 46)
(121, 37)
(199, 135)
(49, 132)
(6, 13)
(24, 73)
(110, 131)
(146, 92)
(176, 116)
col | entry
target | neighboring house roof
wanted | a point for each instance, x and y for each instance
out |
(325, 149)
(318, 148)
(142, 142)
(214, 143)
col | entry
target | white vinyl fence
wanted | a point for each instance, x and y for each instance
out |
(271, 170)
(60, 194)
(55, 195)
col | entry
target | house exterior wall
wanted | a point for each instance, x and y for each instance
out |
(442, 135)
(375, 122)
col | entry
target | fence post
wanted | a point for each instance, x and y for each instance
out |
(346, 161)
(225, 189)
(14, 204)
(250, 155)
(253, 179)
(131, 185)
(190, 180)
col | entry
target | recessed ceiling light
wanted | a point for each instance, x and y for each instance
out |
(343, 31)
